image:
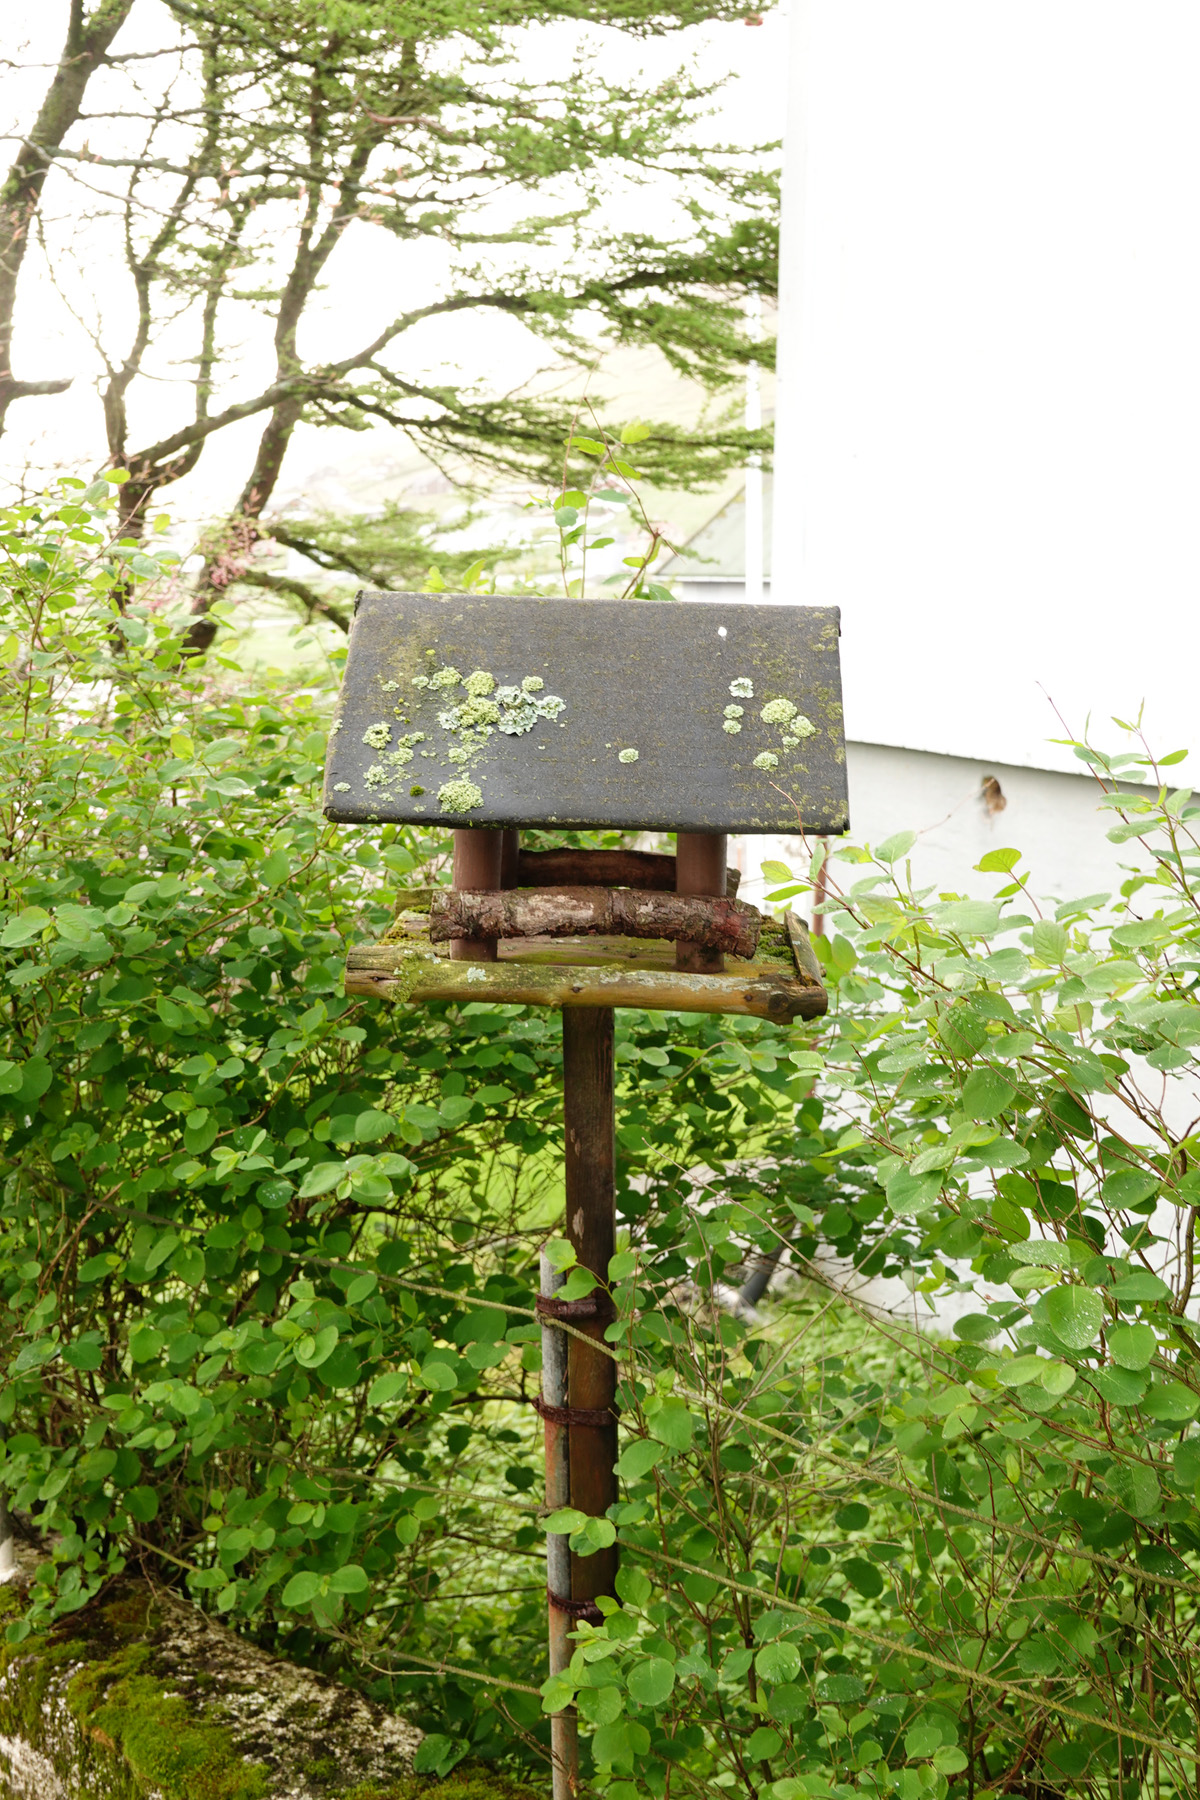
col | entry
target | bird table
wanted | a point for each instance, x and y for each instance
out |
(490, 714)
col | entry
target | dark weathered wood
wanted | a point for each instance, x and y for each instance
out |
(700, 870)
(478, 863)
(588, 911)
(410, 970)
(510, 858)
(604, 868)
(678, 692)
(590, 1169)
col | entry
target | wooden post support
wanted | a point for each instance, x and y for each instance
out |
(579, 1382)
(478, 861)
(564, 1725)
(510, 857)
(700, 869)
(591, 1231)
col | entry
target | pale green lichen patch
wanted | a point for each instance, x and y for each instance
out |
(742, 688)
(627, 756)
(735, 712)
(732, 726)
(469, 721)
(459, 796)
(779, 712)
(766, 759)
(379, 735)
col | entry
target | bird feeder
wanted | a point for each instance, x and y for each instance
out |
(489, 714)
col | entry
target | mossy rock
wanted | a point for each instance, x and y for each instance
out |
(141, 1697)
(472, 1781)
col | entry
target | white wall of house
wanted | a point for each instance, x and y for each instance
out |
(1054, 819)
(988, 416)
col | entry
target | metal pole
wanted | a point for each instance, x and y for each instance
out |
(592, 1233)
(564, 1726)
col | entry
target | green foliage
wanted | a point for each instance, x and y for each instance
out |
(886, 1563)
(268, 1262)
(268, 1257)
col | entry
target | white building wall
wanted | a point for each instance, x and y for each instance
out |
(1054, 819)
(988, 418)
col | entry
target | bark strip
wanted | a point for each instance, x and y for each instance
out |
(400, 973)
(716, 924)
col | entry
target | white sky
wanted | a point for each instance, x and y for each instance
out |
(369, 277)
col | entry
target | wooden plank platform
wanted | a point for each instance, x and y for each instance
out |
(782, 982)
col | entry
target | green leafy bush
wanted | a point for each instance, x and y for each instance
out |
(858, 1558)
(268, 1256)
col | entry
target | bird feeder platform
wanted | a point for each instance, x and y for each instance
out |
(782, 981)
(488, 715)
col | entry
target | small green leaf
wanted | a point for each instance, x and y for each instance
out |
(898, 845)
(1049, 940)
(369, 1127)
(350, 1579)
(1132, 1346)
(777, 1662)
(922, 1740)
(312, 1350)
(302, 1589)
(1058, 1378)
(438, 1375)
(557, 1692)
(637, 1459)
(651, 1681)
(986, 1093)
(593, 1535)
(1020, 1370)
(1074, 1315)
(863, 1576)
(578, 1285)
(566, 1519)
(763, 1744)
(386, 1388)
(142, 1503)
(998, 862)
(321, 1179)
(673, 1425)
(29, 923)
